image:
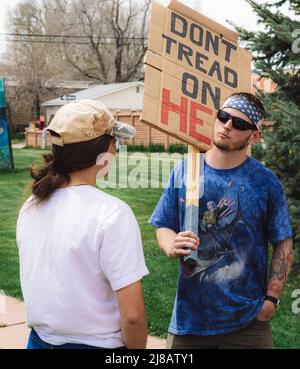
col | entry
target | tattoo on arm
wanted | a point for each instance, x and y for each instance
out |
(281, 265)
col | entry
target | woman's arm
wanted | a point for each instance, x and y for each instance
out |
(133, 316)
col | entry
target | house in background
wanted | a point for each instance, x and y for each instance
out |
(125, 101)
(126, 96)
(261, 83)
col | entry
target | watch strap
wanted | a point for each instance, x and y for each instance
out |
(272, 299)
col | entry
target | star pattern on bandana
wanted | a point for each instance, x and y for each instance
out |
(243, 105)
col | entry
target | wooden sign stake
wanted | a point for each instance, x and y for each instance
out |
(194, 190)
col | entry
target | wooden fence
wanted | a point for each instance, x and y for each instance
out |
(145, 135)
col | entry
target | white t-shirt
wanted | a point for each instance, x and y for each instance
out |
(76, 250)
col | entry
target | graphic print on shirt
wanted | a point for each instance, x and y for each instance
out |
(217, 225)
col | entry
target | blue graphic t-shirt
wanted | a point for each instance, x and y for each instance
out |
(240, 211)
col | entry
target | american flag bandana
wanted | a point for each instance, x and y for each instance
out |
(242, 104)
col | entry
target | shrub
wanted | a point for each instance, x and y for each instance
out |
(178, 147)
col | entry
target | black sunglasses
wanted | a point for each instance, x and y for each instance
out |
(237, 123)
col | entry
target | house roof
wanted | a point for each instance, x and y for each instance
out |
(93, 92)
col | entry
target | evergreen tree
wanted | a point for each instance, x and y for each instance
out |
(277, 56)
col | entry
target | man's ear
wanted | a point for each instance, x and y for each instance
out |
(255, 137)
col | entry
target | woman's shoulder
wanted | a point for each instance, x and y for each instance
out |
(110, 204)
(29, 203)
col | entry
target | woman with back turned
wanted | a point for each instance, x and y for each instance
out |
(81, 255)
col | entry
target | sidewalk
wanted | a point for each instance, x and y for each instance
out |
(20, 145)
(14, 333)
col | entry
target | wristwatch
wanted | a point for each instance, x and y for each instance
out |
(272, 299)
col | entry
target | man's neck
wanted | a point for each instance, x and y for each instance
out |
(220, 159)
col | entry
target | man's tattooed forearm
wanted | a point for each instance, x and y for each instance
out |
(281, 261)
(279, 268)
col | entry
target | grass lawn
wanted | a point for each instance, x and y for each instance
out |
(159, 285)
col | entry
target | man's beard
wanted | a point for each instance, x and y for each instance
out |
(226, 147)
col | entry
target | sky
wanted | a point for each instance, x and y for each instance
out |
(5, 6)
(237, 11)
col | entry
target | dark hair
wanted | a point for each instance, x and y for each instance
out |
(64, 160)
(254, 100)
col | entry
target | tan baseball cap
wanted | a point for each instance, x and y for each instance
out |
(84, 120)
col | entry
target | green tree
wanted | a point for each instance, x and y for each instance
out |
(276, 52)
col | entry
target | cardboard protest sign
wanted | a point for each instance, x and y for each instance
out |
(192, 65)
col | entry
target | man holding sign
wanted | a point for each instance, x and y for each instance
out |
(217, 213)
(223, 299)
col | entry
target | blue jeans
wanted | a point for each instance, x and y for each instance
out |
(35, 342)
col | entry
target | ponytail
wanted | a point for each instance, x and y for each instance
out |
(57, 167)
(47, 178)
